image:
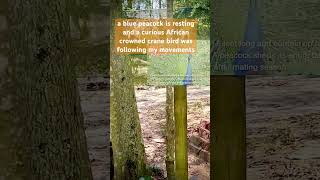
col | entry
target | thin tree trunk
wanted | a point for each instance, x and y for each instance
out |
(126, 136)
(43, 122)
(170, 124)
(130, 3)
(170, 8)
(180, 117)
(228, 128)
(170, 131)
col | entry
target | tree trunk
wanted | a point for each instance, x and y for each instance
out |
(126, 136)
(42, 128)
(170, 124)
(170, 133)
(228, 128)
(180, 117)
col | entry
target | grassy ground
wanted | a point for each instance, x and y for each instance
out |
(171, 69)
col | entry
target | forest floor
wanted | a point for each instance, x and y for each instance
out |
(283, 127)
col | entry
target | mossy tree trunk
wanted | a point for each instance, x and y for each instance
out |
(126, 136)
(42, 129)
(228, 128)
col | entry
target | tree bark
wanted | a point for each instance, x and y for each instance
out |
(42, 123)
(126, 136)
(170, 8)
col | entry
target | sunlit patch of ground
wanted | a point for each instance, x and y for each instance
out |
(151, 106)
(283, 128)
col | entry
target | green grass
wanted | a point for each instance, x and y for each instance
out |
(171, 69)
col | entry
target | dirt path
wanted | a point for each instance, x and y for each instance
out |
(284, 96)
(151, 107)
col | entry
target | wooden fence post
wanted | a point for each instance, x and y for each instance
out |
(228, 128)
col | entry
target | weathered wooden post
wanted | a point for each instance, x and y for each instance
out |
(181, 144)
(228, 128)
